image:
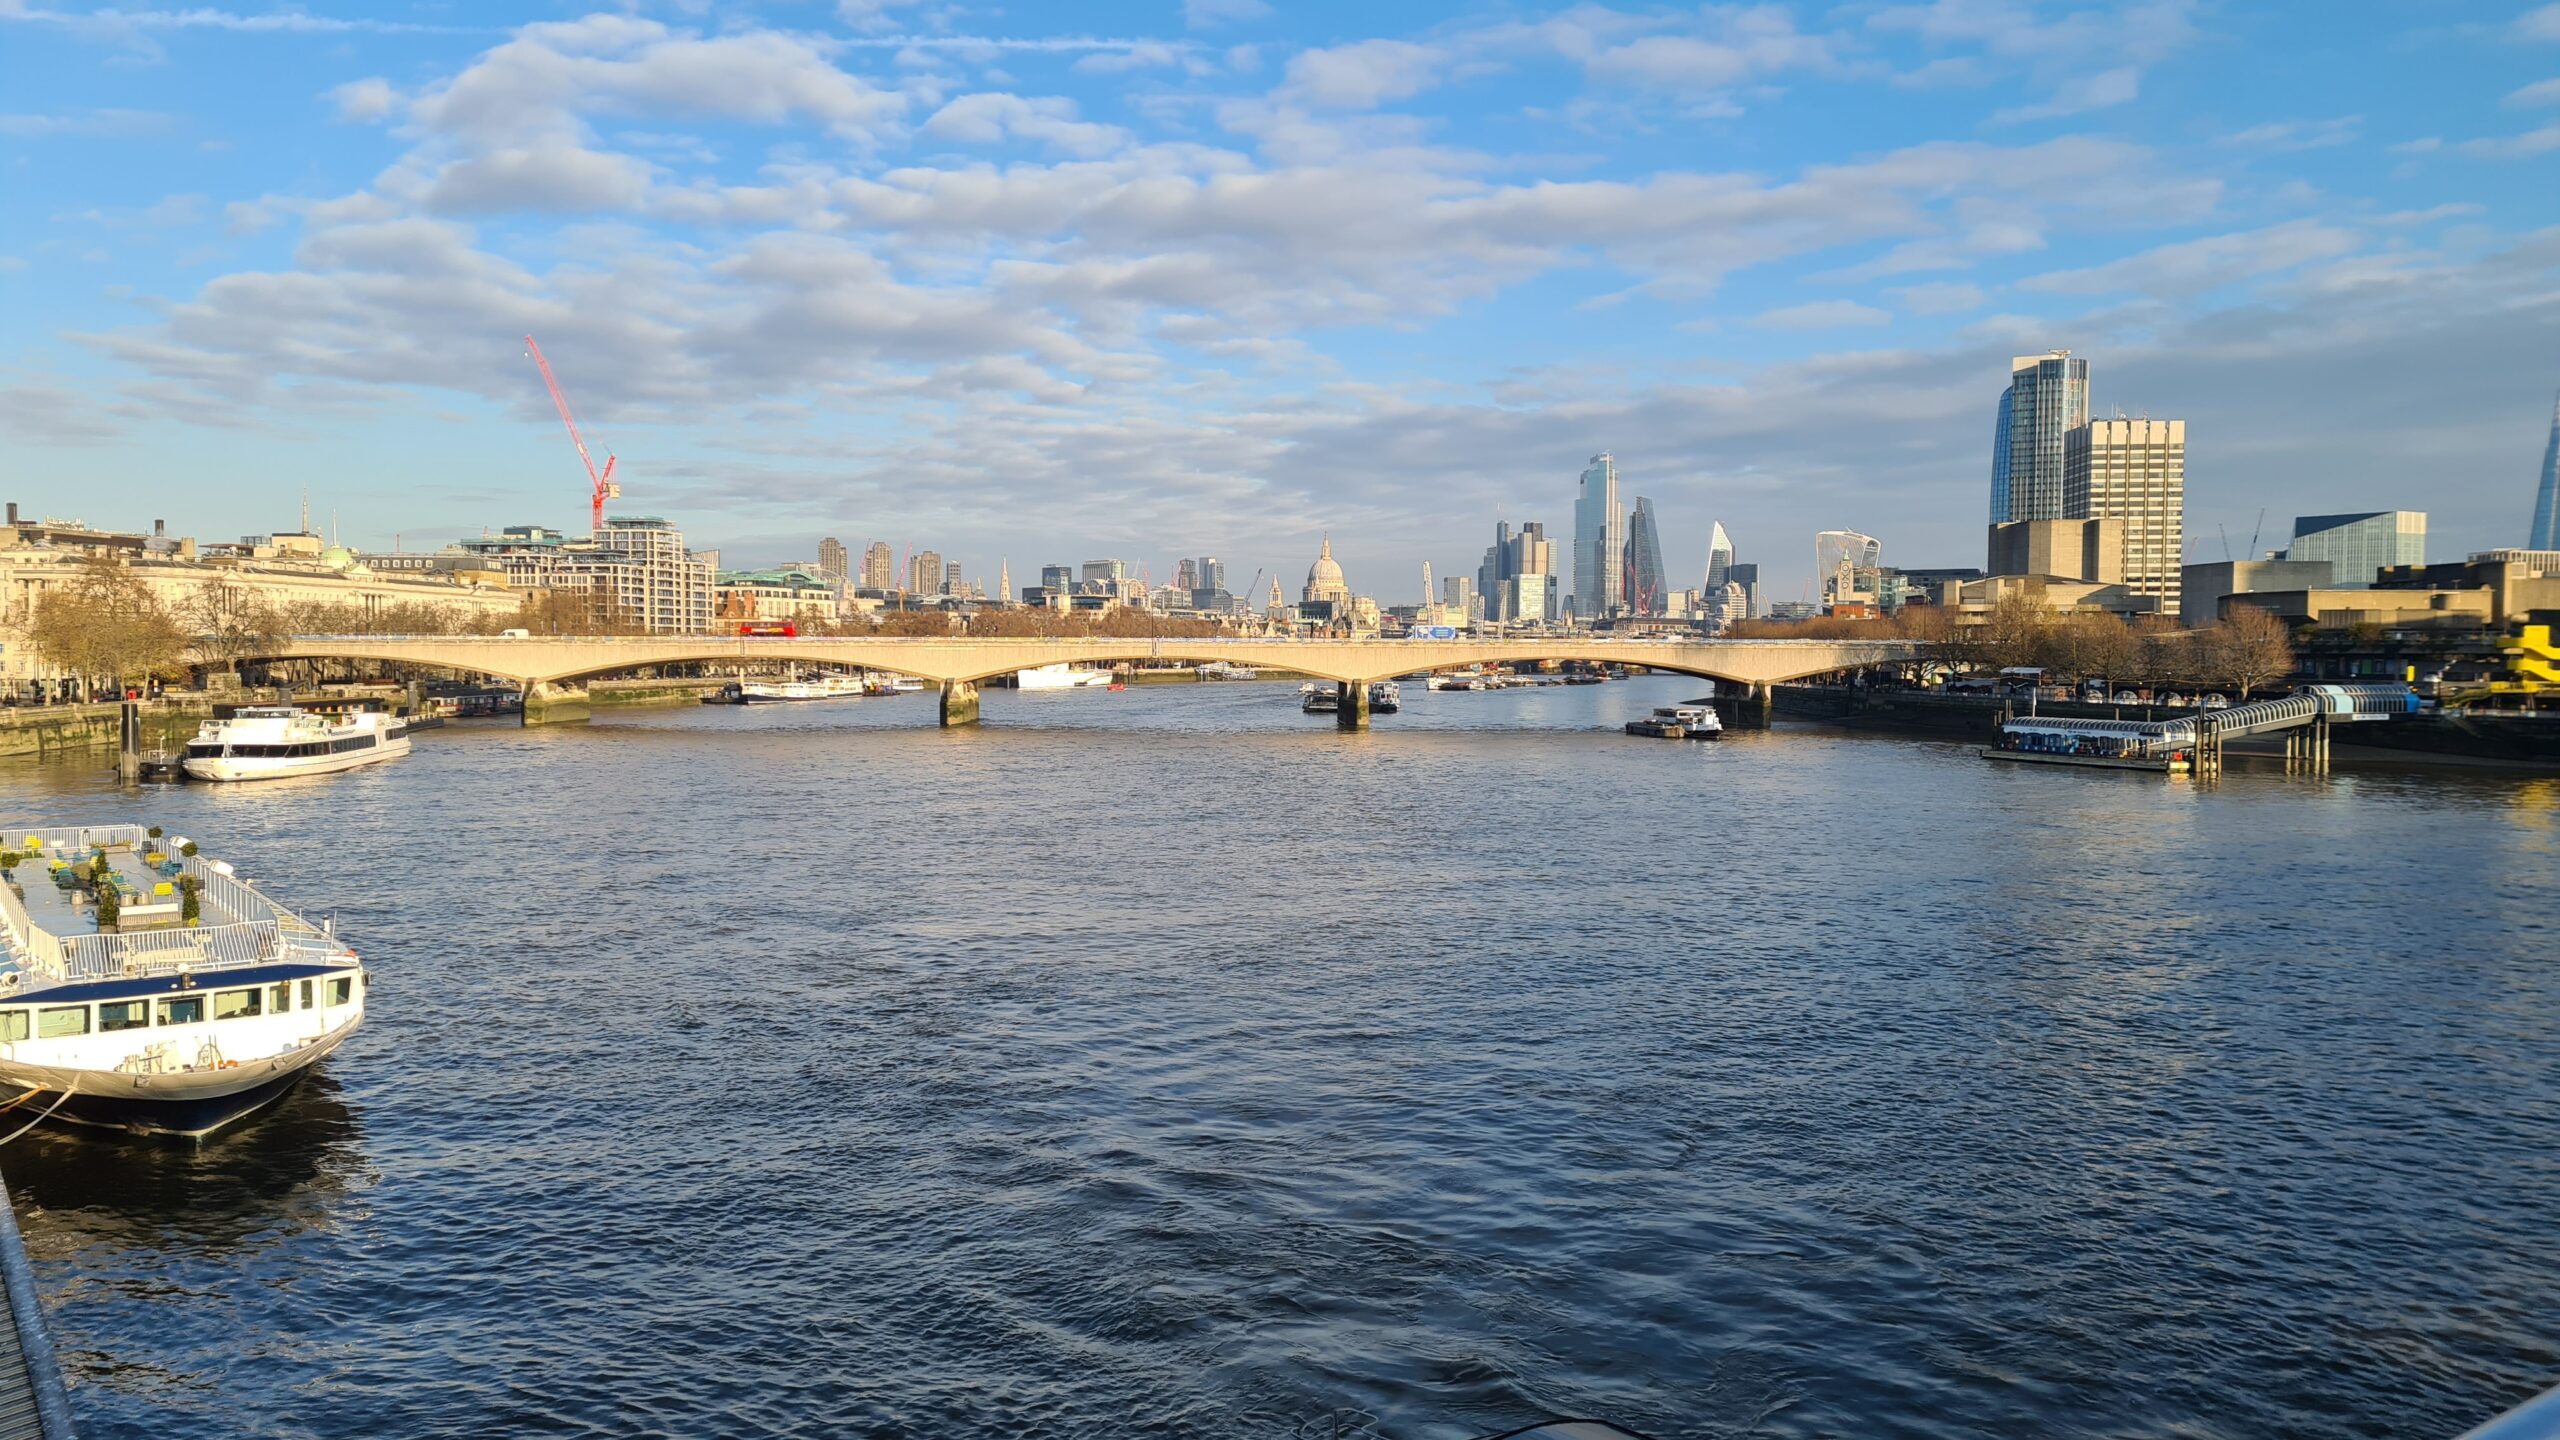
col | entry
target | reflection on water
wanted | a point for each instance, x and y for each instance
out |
(1167, 1063)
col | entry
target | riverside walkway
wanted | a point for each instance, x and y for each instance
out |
(32, 1403)
(551, 667)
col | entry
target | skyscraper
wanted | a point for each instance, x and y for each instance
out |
(1213, 573)
(1643, 588)
(2048, 396)
(1517, 579)
(1186, 576)
(879, 566)
(1599, 542)
(2135, 471)
(834, 561)
(2546, 502)
(1745, 576)
(1719, 558)
(924, 572)
(951, 578)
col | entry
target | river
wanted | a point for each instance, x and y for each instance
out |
(1167, 1063)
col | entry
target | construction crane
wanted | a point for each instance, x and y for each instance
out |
(602, 480)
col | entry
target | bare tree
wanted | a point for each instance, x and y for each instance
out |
(105, 624)
(2249, 648)
(231, 621)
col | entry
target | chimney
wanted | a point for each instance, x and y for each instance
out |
(13, 512)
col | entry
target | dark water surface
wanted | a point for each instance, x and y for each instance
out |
(1165, 1063)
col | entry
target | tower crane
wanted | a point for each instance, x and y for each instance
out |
(602, 480)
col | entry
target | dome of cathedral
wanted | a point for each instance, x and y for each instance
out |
(1324, 578)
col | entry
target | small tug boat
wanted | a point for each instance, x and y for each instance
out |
(148, 989)
(1386, 698)
(1318, 697)
(271, 742)
(1680, 722)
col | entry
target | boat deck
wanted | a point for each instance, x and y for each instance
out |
(66, 912)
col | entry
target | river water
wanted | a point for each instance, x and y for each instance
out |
(1167, 1063)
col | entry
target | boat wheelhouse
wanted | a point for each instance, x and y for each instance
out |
(149, 990)
(271, 742)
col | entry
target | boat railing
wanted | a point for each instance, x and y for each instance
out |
(67, 839)
(147, 952)
(232, 895)
(35, 948)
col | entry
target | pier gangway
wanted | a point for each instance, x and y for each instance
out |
(2306, 714)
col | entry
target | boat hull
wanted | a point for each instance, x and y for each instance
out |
(190, 1104)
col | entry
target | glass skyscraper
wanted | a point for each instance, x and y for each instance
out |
(1719, 558)
(2355, 546)
(1643, 585)
(1599, 582)
(2546, 502)
(2048, 397)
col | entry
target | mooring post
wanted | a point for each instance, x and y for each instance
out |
(959, 703)
(1351, 708)
(129, 741)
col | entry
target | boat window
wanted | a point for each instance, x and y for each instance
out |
(124, 1015)
(232, 1004)
(306, 994)
(13, 1024)
(282, 998)
(182, 1010)
(341, 991)
(62, 1020)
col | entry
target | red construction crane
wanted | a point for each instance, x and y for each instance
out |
(605, 489)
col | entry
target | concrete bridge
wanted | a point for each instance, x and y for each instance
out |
(551, 667)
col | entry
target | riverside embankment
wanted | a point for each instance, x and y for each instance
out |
(2468, 739)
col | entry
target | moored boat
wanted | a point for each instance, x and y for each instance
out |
(1385, 698)
(151, 990)
(1318, 697)
(273, 742)
(1061, 676)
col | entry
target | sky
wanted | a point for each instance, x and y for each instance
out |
(1144, 280)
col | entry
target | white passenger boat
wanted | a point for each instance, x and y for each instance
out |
(1318, 697)
(1061, 676)
(816, 687)
(158, 1020)
(1386, 698)
(270, 742)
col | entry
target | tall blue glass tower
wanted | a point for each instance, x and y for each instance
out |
(2546, 503)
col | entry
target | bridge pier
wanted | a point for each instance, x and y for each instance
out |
(959, 703)
(1748, 710)
(1351, 708)
(549, 704)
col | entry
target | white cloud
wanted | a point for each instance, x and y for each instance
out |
(2540, 92)
(1206, 14)
(2291, 135)
(2515, 147)
(1939, 298)
(94, 124)
(362, 102)
(2542, 24)
(1364, 75)
(2193, 266)
(2101, 91)
(1821, 315)
(990, 118)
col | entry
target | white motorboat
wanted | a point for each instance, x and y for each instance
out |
(1318, 697)
(1386, 697)
(271, 742)
(1061, 676)
(149, 989)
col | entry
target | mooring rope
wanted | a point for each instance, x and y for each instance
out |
(48, 1111)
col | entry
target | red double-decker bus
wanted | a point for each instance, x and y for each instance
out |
(768, 627)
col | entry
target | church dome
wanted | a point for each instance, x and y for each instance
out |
(1324, 578)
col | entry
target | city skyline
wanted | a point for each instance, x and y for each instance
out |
(1234, 253)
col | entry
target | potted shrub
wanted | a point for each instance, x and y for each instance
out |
(190, 899)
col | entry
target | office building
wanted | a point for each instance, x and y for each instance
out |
(2135, 472)
(2546, 501)
(1186, 575)
(1513, 556)
(1058, 579)
(834, 561)
(1746, 576)
(879, 566)
(1106, 575)
(1719, 559)
(1599, 540)
(2047, 398)
(789, 594)
(924, 572)
(1644, 588)
(951, 583)
(2358, 547)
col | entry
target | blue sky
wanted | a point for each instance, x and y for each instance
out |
(1220, 276)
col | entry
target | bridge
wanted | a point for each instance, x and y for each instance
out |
(551, 667)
